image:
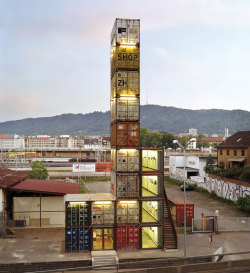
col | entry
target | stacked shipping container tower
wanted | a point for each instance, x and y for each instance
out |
(137, 175)
(136, 214)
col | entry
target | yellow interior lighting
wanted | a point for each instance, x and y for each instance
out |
(128, 97)
(127, 150)
(77, 203)
(103, 202)
(128, 45)
(128, 202)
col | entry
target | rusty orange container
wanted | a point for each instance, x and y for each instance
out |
(125, 134)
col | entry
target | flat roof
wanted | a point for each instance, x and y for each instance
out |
(89, 197)
(179, 201)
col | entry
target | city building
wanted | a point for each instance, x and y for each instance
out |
(192, 132)
(235, 150)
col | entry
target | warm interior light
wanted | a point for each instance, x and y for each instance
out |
(127, 97)
(128, 202)
(103, 202)
(127, 150)
(128, 44)
(77, 203)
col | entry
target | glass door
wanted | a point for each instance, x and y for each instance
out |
(97, 239)
(103, 239)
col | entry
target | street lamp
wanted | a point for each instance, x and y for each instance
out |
(175, 141)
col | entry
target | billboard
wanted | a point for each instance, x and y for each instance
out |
(83, 168)
(102, 167)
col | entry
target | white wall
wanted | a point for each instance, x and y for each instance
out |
(52, 210)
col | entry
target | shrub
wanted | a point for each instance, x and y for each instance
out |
(245, 176)
(244, 203)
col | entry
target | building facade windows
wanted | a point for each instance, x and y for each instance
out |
(227, 152)
(235, 152)
(242, 152)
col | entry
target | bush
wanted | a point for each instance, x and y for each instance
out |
(245, 176)
(244, 203)
(233, 173)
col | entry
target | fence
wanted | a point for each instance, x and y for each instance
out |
(203, 224)
(233, 224)
(221, 224)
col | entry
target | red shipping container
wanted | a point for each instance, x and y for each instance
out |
(177, 211)
(127, 237)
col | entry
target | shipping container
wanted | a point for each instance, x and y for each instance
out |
(125, 31)
(152, 237)
(77, 214)
(125, 185)
(127, 237)
(103, 213)
(177, 211)
(152, 160)
(125, 58)
(152, 211)
(125, 109)
(125, 83)
(125, 134)
(152, 185)
(127, 212)
(77, 239)
(125, 160)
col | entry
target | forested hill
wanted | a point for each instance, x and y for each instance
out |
(154, 117)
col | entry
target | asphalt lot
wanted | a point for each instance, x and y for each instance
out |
(37, 245)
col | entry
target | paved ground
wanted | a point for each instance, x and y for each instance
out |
(198, 243)
(48, 245)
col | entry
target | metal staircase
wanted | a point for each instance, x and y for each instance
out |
(170, 236)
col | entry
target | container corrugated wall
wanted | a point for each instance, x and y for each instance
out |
(127, 237)
(127, 212)
(125, 31)
(102, 213)
(125, 134)
(125, 83)
(126, 185)
(125, 109)
(125, 160)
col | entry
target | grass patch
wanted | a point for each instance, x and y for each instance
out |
(95, 179)
(173, 181)
(211, 195)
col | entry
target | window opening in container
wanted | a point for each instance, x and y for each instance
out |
(151, 237)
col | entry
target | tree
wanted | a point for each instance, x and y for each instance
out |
(167, 140)
(38, 171)
(209, 164)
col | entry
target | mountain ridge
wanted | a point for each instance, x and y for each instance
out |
(154, 117)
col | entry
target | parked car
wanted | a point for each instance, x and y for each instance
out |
(188, 188)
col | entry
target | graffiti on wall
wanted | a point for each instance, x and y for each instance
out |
(224, 189)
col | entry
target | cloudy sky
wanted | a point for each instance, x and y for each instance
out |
(54, 54)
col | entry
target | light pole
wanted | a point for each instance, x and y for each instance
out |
(184, 190)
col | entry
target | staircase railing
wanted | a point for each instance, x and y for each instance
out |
(169, 218)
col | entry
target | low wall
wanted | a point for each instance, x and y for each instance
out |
(226, 188)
